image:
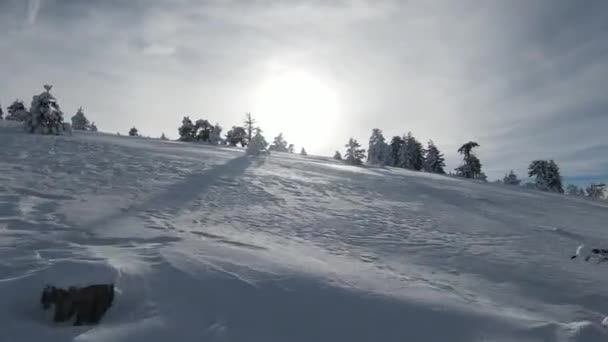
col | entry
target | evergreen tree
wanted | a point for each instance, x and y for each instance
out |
(237, 135)
(411, 154)
(133, 132)
(1, 112)
(596, 191)
(279, 144)
(572, 190)
(216, 135)
(396, 146)
(337, 156)
(187, 131)
(257, 144)
(511, 179)
(45, 116)
(16, 111)
(376, 152)
(354, 154)
(93, 127)
(547, 174)
(433, 160)
(249, 128)
(163, 136)
(80, 121)
(202, 130)
(303, 152)
(291, 148)
(472, 166)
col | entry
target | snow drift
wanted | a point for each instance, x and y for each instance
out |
(207, 244)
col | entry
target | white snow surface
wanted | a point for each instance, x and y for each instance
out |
(207, 244)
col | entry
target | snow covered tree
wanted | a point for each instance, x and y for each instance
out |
(511, 179)
(279, 144)
(93, 127)
(291, 148)
(337, 156)
(133, 132)
(45, 116)
(163, 136)
(16, 111)
(547, 174)
(257, 144)
(237, 135)
(376, 154)
(303, 152)
(354, 154)
(202, 129)
(433, 160)
(411, 153)
(249, 128)
(1, 112)
(596, 191)
(187, 131)
(572, 190)
(216, 135)
(80, 121)
(396, 146)
(472, 166)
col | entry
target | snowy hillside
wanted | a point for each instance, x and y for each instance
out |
(206, 244)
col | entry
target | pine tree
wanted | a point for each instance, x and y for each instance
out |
(133, 132)
(596, 191)
(257, 144)
(433, 160)
(291, 148)
(163, 136)
(303, 152)
(216, 135)
(16, 111)
(547, 174)
(93, 127)
(45, 116)
(237, 135)
(279, 144)
(511, 179)
(337, 156)
(354, 155)
(80, 121)
(396, 145)
(187, 131)
(472, 166)
(555, 178)
(202, 130)
(572, 190)
(376, 152)
(1, 112)
(249, 128)
(411, 153)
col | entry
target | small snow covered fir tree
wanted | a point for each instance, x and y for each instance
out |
(411, 153)
(249, 126)
(291, 148)
(354, 154)
(93, 127)
(257, 144)
(279, 144)
(395, 148)
(163, 136)
(511, 179)
(1, 113)
(80, 121)
(376, 154)
(547, 174)
(337, 156)
(303, 152)
(16, 111)
(433, 160)
(216, 135)
(572, 190)
(45, 116)
(472, 166)
(133, 132)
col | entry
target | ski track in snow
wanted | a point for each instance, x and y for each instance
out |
(205, 243)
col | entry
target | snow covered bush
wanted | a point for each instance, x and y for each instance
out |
(92, 127)
(216, 135)
(80, 121)
(133, 132)
(354, 155)
(596, 191)
(45, 116)
(257, 144)
(511, 179)
(337, 156)
(16, 111)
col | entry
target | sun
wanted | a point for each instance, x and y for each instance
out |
(298, 104)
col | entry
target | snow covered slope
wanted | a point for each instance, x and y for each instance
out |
(205, 244)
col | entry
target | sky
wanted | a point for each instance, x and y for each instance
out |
(525, 79)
